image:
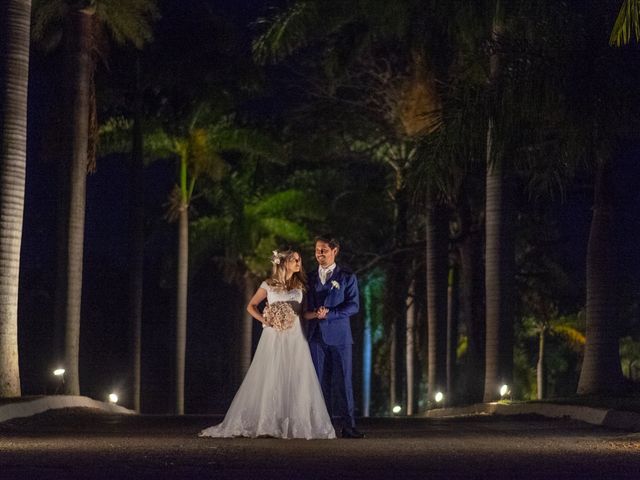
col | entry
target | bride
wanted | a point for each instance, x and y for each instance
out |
(280, 395)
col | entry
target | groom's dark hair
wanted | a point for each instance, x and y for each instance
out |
(328, 238)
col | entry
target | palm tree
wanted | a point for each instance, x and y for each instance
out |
(563, 327)
(437, 265)
(197, 147)
(15, 23)
(410, 346)
(516, 131)
(82, 22)
(543, 321)
(498, 246)
(601, 370)
(136, 235)
(610, 117)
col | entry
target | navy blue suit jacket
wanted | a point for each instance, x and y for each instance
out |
(340, 295)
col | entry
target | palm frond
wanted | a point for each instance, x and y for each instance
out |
(286, 32)
(627, 22)
(202, 157)
(225, 136)
(575, 337)
(115, 136)
(47, 22)
(289, 203)
(128, 20)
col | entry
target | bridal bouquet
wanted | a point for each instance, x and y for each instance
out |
(279, 316)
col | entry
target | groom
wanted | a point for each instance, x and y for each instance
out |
(333, 296)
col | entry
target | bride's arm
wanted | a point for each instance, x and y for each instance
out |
(252, 307)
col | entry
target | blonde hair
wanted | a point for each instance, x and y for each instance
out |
(278, 277)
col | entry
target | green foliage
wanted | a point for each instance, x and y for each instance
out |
(463, 346)
(342, 27)
(524, 374)
(285, 32)
(373, 286)
(248, 231)
(627, 22)
(565, 341)
(128, 21)
(630, 358)
(225, 136)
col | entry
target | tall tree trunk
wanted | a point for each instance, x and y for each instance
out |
(498, 286)
(396, 295)
(452, 331)
(136, 246)
(437, 259)
(601, 371)
(246, 333)
(15, 22)
(472, 306)
(81, 41)
(410, 349)
(498, 250)
(367, 350)
(541, 374)
(393, 374)
(181, 304)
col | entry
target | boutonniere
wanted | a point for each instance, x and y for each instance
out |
(335, 284)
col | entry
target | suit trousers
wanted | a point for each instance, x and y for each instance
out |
(333, 366)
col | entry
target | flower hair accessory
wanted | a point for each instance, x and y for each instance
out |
(275, 258)
(335, 284)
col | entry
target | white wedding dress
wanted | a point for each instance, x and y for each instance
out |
(280, 395)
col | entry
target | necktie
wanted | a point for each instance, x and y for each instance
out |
(324, 275)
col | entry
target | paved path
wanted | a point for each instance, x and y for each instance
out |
(82, 443)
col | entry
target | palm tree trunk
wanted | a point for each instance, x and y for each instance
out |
(437, 258)
(246, 334)
(452, 331)
(14, 55)
(81, 39)
(601, 371)
(498, 253)
(181, 305)
(541, 376)
(393, 400)
(471, 307)
(136, 252)
(498, 286)
(410, 349)
(367, 350)
(396, 294)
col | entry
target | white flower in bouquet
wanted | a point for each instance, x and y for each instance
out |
(279, 316)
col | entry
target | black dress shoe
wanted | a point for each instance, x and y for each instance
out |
(351, 432)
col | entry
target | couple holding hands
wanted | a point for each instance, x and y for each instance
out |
(294, 377)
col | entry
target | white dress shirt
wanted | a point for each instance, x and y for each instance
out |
(325, 273)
